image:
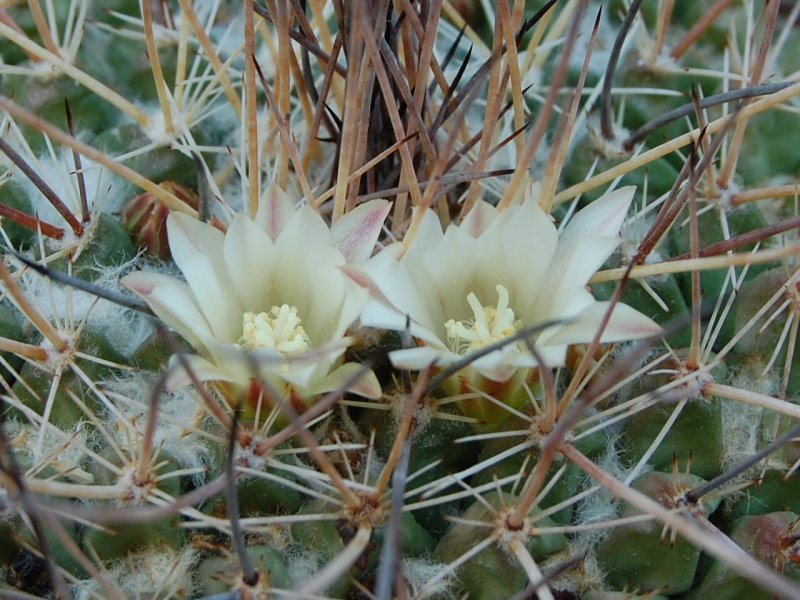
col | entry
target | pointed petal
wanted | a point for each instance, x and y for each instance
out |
(604, 216)
(626, 323)
(552, 356)
(428, 234)
(479, 218)
(417, 359)
(366, 386)
(527, 243)
(356, 232)
(569, 272)
(173, 303)
(394, 280)
(197, 249)
(274, 211)
(379, 315)
(200, 368)
(250, 260)
(305, 250)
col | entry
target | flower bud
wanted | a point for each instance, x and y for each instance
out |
(145, 218)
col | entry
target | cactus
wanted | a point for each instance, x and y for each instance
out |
(399, 300)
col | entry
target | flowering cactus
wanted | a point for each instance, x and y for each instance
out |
(277, 297)
(413, 255)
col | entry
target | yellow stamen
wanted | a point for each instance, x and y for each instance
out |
(489, 325)
(280, 329)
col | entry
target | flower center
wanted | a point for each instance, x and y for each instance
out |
(489, 325)
(280, 329)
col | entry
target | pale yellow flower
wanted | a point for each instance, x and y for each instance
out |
(271, 287)
(499, 271)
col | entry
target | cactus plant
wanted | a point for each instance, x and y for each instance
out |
(399, 299)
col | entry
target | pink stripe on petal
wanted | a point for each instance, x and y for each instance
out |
(356, 232)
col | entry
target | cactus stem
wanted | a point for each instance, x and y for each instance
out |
(350, 499)
(27, 117)
(676, 143)
(340, 565)
(713, 542)
(73, 72)
(530, 493)
(451, 568)
(404, 431)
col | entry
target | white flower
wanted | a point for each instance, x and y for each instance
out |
(475, 284)
(272, 287)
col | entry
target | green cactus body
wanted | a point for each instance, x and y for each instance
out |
(220, 574)
(641, 555)
(492, 573)
(118, 541)
(45, 95)
(770, 539)
(774, 492)
(107, 245)
(712, 282)
(14, 195)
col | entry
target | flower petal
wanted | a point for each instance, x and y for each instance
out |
(274, 211)
(250, 260)
(305, 249)
(173, 303)
(572, 267)
(377, 314)
(604, 216)
(478, 219)
(528, 242)
(356, 232)
(394, 280)
(626, 323)
(417, 359)
(200, 368)
(366, 386)
(197, 249)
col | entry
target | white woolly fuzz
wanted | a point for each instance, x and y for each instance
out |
(179, 414)
(418, 571)
(68, 309)
(58, 172)
(303, 567)
(741, 422)
(601, 506)
(154, 572)
(61, 451)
